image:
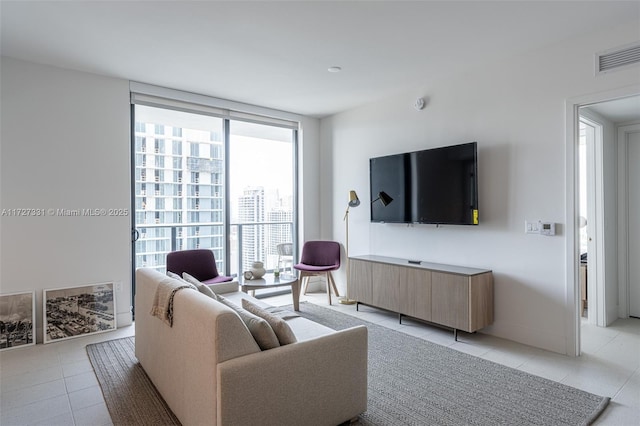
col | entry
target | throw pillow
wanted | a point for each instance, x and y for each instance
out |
(174, 275)
(279, 326)
(259, 328)
(179, 278)
(202, 288)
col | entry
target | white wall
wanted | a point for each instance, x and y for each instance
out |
(516, 112)
(65, 145)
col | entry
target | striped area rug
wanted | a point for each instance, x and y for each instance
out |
(128, 392)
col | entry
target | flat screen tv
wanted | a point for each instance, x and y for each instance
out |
(436, 186)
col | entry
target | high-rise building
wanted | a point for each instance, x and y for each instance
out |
(251, 209)
(179, 192)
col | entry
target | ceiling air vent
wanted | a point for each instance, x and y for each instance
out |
(617, 58)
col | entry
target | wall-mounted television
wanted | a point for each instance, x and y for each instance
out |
(437, 186)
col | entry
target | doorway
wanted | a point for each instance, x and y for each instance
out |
(607, 294)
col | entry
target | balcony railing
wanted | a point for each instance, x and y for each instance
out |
(248, 242)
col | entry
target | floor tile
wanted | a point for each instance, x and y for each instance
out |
(37, 412)
(78, 367)
(81, 381)
(86, 397)
(65, 419)
(27, 396)
(12, 382)
(95, 415)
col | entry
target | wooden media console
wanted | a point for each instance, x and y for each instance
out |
(453, 296)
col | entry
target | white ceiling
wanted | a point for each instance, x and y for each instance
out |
(276, 54)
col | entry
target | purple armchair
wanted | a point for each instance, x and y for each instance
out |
(319, 258)
(199, 263)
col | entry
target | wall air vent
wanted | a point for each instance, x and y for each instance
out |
(617, 58)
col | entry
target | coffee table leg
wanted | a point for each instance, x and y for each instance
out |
(295, 290)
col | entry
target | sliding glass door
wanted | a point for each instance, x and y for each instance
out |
(218, 183)
(179, 185)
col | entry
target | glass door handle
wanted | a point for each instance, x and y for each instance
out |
(135, 234)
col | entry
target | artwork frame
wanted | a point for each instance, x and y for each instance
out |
(17, 320)
(70, 312)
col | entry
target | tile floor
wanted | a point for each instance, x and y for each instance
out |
(54, 384)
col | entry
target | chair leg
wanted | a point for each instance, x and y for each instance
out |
(333, 284)
(304, 282)
(328, 276)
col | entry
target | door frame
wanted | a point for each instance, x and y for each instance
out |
(572, 276)
(623, 219)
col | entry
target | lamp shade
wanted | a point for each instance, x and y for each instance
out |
(385, 198)
(354, 201)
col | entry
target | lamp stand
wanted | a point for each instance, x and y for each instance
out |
(346, 300)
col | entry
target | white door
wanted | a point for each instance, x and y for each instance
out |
(633, 170)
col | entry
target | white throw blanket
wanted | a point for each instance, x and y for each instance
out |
(163, 300)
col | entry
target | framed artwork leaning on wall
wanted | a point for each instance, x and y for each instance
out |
(78, 311)
(17, 319)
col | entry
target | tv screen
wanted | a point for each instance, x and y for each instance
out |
(437, 186)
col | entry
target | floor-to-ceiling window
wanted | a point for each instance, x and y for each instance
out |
(261, 201)
(211, 180)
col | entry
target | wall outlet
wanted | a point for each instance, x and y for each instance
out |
(119, 286)
(531, 227)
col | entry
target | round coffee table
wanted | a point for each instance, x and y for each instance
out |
(269, 281)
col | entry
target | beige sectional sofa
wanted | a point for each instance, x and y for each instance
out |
(210, 370)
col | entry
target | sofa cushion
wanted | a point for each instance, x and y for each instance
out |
(202, 288)
(260, 329)
(280, 327)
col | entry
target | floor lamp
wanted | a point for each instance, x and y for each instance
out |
(354, 201)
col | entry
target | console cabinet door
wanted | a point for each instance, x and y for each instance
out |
(415, 294)
(360, 281)
(481, 301)
(450, 300)
(386, 285)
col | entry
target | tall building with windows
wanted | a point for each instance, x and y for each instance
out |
(262, 228)
(251, 209)
(179, 192)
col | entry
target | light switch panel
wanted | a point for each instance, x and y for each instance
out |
(531, 227)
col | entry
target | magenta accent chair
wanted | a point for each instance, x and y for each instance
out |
(199, 263)
(319, 258)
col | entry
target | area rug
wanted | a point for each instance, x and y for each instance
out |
(411, 382)
(128, 392)
(416, 382)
